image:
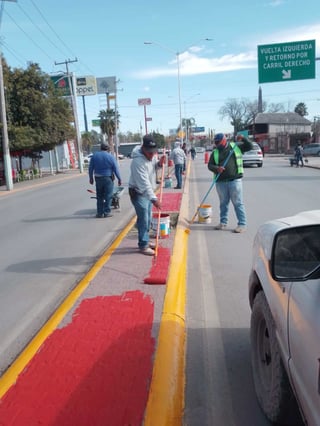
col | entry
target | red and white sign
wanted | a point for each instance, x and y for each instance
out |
(144, 101)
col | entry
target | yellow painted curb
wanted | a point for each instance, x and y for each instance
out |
(166, 396)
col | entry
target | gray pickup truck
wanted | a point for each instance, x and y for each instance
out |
(284, 296)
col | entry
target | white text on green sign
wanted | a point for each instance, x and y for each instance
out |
(286, 61)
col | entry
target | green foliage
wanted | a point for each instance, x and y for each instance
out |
(38, 118)
(301, 109)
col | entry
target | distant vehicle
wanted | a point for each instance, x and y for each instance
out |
(284, 296)
(199, 149)
(311, 149)
(253, 157)
(86, 159)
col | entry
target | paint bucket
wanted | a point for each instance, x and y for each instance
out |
(204, 214)
(170, 163)
(168, 182)
(164, 225)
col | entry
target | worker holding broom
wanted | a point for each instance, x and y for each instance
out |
(142, 183)
(226, 163)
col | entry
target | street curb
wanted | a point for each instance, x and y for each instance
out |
(166, 395)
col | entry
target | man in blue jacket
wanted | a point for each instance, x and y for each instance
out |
(104, 167)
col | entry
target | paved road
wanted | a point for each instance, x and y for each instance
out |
(219, 387)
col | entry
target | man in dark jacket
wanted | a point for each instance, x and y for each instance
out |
(104, 167)
(226, 162)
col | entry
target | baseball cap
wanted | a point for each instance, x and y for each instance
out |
(219, 137)
(149, 144)
(104, 147)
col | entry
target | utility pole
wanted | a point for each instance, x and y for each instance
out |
(74, 107)
(3, 118)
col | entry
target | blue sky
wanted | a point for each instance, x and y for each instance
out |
(107, 38)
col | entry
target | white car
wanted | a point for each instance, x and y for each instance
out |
(253, 157)
(284, 295)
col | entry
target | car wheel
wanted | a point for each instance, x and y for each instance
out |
(260, 164)
(270, 379)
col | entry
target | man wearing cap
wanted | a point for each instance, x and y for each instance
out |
(178, 157)
(103, 167)
(229, 183)
(142, 183)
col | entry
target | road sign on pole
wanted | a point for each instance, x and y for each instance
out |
(144, 101)
(287, 61)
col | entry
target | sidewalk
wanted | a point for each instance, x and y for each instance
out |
(95, 361)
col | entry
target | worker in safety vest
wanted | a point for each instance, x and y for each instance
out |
(226, 163)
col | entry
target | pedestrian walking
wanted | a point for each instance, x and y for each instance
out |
(193, 152)
(142, 183)
(229, 184)
(103, 168)
(298, 150)
(178, 157)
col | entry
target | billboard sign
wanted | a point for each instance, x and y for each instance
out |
(198, 129)
(287, 61)
(62, 84)
(144, 101)
(106, 85)
(86, 86)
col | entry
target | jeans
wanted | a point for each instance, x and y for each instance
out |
(227, 191)
(104, 188)
(143, 208)
(178, 168)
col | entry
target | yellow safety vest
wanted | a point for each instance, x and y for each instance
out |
(237, 153)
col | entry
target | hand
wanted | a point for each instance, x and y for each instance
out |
(156, 203)
(91, 181)
(221, 169)
(162, 160)
(119, 182)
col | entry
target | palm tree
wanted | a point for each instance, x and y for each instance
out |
(187, 124)
(109, 123)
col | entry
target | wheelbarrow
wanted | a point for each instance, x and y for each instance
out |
(117, 194)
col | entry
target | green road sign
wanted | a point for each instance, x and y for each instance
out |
(95, 123)
(287, 61)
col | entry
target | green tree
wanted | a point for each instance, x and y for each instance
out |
(88, 139)
(38, 118)
(109, 122)
(301, 109)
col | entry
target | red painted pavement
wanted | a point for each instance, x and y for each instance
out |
(94, 371)
(170, 202)
(160, 267)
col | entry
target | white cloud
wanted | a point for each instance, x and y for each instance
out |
(191, 63)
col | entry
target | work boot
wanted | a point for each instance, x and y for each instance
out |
(220, 227)
(147, 251)
(239, 229)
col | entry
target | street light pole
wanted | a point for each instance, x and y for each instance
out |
(177, 54)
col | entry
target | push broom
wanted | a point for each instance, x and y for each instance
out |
(160, 263)
(211, 186)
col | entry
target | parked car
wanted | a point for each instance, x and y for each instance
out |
(311, 149)
(284, 296)
(253, 157)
